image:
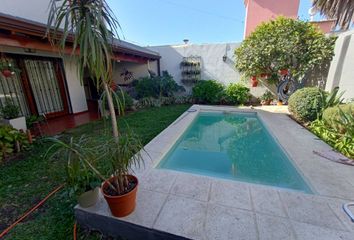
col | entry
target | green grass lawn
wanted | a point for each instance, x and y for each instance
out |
(25, 181)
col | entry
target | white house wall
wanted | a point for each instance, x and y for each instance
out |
(212, 64)
(341, 72)
(75, 88)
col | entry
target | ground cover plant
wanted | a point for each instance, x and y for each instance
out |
(326, 116)
(54, 220)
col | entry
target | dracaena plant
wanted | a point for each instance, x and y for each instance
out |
(122, 157)
(326, 100)
(89, 26)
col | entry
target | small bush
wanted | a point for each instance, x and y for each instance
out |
(305, 104)
(208, 91)
(157, 86)
(11, 141)
(332, 117)
(10, 110)
(125, 98)
(237, 93)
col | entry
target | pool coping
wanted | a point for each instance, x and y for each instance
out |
(171, 201)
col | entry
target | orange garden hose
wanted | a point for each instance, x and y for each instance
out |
(74, 231)
(32, 210)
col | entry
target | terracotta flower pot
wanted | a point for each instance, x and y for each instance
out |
(264, 75)
(266, 102)
(122, 205)
(254, 81)
(280, 103)
(284, 71)
(7, 73)
(89, 198)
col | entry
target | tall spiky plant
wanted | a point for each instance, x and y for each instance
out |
(89, 26)
(341, 10)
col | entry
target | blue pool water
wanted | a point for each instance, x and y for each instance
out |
(234, 146)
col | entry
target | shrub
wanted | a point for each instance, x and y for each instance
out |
(125, 98)
(157, 86)
(208, 91)
(11, 141)
(332, 116)
(283, 43)
(329, 100)
(237, 93)
(305, 104)
(10, 110)
(146, 87)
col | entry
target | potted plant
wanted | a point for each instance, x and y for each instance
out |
(7, 69)
(284, 72)
(11, 114)
(121, 188)
(82, 176)
(254, 81)
(267, 98)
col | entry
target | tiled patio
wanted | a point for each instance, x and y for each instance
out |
(201, 207)
(57, 125)
(60, 124)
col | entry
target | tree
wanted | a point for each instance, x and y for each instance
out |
(341, 10)
(283, 43)
(90, 26)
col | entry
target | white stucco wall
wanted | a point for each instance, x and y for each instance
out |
(138, 69)
(212, 64)
(35, 10)
(341, 72)
(75, 89)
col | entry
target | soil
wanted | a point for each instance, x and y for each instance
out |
(131, 185)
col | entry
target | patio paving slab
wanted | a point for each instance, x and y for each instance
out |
(159, 181)
(229, 223)
(274, 228)
(191, 186)
(267, 200)
(312, 210)
(183, 217)
(305, 231)
(232, 194)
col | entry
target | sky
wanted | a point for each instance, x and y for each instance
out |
(165, 22)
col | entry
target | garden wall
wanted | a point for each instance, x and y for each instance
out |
(341, 71)
(213, 65)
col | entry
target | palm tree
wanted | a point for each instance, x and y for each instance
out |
(341, 10)
(90, 26)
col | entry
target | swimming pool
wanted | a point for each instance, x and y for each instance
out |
(235, 146)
